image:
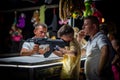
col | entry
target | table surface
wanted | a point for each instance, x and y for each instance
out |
(30, 61)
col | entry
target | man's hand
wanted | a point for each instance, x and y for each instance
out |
(43, 51)
(80, 35)
(35, 48)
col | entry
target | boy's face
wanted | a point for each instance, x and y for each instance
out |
(67, 38)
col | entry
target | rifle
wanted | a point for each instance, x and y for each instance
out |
(53, 44)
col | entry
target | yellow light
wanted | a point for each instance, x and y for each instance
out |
(103, 20)
(53, 37)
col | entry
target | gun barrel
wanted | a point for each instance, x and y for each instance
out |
(47, 41)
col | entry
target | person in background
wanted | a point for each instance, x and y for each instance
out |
(76, 30)
(111, 36)
(29, 48)
(71, 54)
(98, 50)
(104, 28)
(116, 61)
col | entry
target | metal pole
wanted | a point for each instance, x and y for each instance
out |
(30, 8)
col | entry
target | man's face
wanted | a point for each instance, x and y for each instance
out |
(40, 32)
(87, 27)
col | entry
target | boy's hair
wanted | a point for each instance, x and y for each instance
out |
(65, 30)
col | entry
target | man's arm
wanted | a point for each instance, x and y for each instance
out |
(36, 49)
(26, 52)
(58, 53)
(104, 57)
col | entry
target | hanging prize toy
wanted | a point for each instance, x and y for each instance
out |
(42, 13)
(70, 8)
(15, 32)
(21, 21)
(35, 18)
(88, 10)
(97, 13)
(64, 11)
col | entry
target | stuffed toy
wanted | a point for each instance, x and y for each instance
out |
(15, 33)
(96, 12)
(21, 21)
(77, 14)
(88, 10)
(42, 13)
(35, 18)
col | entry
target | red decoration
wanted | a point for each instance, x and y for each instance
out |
(97, 13)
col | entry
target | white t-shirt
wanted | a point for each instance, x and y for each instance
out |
(93, 52)
(30, 45)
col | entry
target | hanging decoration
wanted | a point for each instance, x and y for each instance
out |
(15, 32)
(65, 7)
(77, 14)
(78, 7)
(42, 13)
(88, 11)
(68, 9)
(97, 13)
(53, 25)
(63, 21)
(21, 21)
(64, 11)
(35, 18)
(15, 18)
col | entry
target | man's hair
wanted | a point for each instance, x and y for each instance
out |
(93, 19)
(40, 24)
(65, 30)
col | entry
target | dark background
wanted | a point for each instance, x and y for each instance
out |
(108, 8)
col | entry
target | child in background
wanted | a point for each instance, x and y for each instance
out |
(116, 61)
